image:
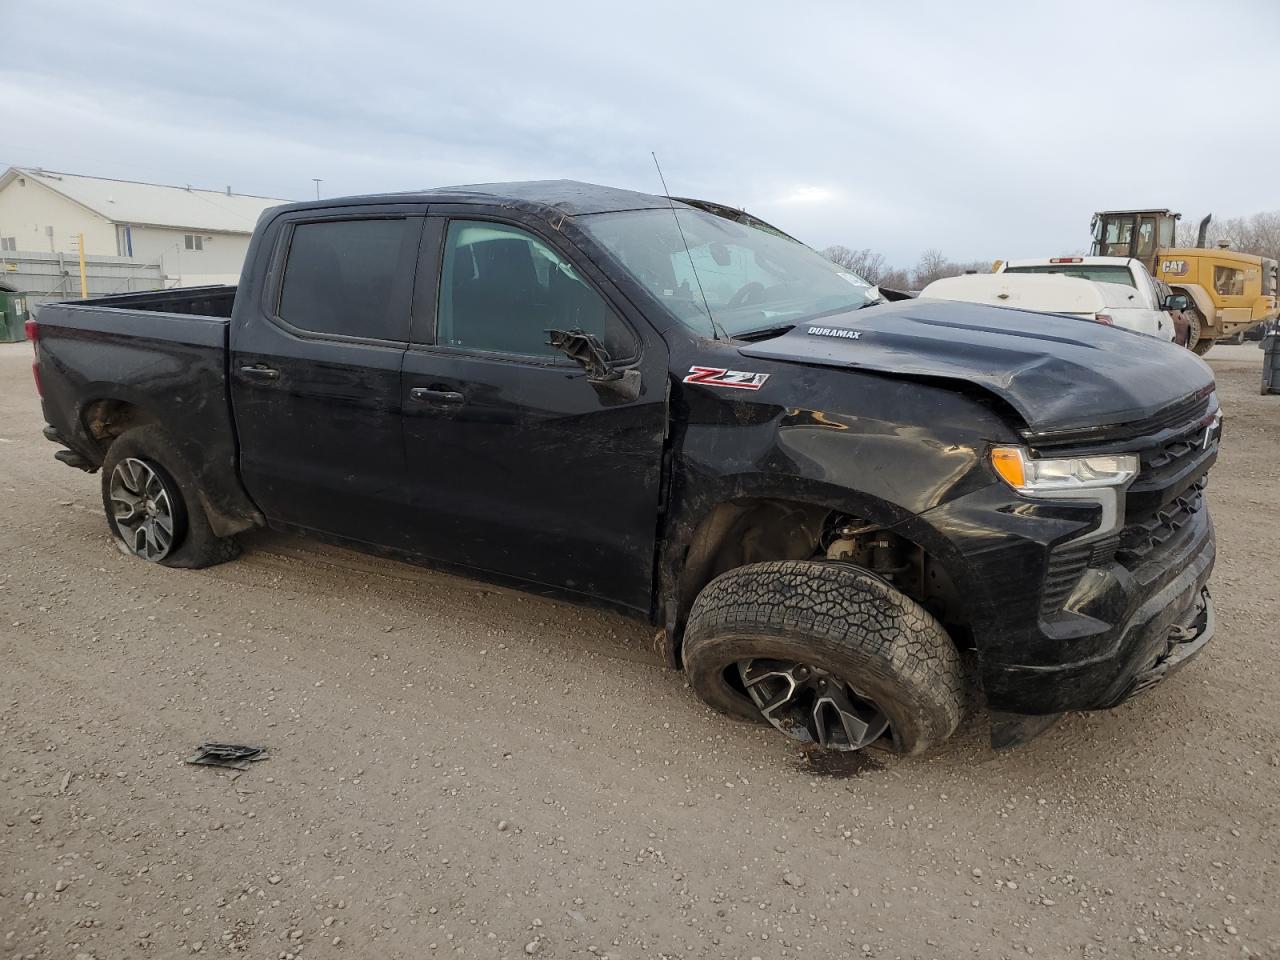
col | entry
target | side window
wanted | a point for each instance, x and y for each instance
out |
(502, 289)
(1228, 281)
(339, 276)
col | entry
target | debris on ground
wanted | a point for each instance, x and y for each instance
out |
(232, 755)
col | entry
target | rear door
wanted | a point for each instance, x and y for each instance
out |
(517, 465)
(315, 372)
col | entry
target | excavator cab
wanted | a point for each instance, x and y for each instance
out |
(1140, 234)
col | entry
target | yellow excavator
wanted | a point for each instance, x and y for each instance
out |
(1228, 291)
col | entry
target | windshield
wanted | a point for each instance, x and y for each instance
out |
(751, 279)
(1083, 271)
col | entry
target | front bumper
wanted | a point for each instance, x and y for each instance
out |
(1122, 629)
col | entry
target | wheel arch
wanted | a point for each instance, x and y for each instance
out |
(106, 418)
(780, 524)
(218, 489)
(1200, 299)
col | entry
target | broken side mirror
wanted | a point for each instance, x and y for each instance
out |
(612, 383)
(1177, 301)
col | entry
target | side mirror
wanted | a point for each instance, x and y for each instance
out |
(1177, 301)
(614, 385)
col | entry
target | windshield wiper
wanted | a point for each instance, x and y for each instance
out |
(765, 333)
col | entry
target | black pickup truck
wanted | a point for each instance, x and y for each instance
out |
(824, 503)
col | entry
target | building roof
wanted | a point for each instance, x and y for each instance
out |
(152, 204)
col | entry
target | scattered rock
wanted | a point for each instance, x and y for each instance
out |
(60, 886)
(273, 879)
(793, 879)
(531, 947)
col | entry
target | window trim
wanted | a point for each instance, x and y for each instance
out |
(434, 289)
(402, 286)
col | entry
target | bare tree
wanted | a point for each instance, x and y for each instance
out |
(931, 266)
(866, 263)
(872, 267)
(1258, 234)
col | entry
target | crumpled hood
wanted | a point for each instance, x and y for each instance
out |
(1059, 373)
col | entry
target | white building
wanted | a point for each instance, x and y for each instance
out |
(196, 236)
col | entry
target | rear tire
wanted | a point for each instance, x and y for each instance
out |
(832, 620)
(145, 456)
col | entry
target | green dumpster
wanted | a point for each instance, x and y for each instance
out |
(13, 316)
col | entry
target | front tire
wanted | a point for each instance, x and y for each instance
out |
(1196, 341)
(152, 503)
(826, 652)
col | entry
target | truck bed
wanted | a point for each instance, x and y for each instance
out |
(213, 301)
(113, 363)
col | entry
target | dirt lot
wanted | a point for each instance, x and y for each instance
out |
(460, 770)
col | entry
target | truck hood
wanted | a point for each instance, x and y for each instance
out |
(1058, 373)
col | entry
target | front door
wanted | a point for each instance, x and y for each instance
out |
(315, 373)
(517, 465)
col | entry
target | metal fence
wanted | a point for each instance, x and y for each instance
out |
(56, 276)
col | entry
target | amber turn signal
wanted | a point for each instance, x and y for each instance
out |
(1008, 463)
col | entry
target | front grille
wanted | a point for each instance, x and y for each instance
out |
(1168, 492)
(1141, 540)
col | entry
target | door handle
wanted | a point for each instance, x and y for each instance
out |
(260, 371)
(431, 395)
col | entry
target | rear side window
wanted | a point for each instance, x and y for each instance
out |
(502, 289)
(339, 276)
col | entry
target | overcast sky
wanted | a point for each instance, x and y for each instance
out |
(983, 129)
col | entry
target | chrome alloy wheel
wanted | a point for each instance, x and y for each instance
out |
(811, 704)
(142, 509)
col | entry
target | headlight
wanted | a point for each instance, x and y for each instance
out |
(1062, 475)
(1101, 480)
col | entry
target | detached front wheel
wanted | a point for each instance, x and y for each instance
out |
(826, 653)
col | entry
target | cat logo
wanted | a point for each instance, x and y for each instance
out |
(1174, 268)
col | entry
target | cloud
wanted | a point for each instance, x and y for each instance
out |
(806, 193)
(991, 132)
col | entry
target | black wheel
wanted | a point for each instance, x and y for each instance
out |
(827, 653)
(1196, 341)
(152, 506)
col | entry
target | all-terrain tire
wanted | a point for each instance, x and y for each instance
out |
(838, 617)
(195, 543)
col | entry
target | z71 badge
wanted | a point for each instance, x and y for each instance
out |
(718, 377)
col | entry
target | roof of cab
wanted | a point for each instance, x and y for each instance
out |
(567, 197)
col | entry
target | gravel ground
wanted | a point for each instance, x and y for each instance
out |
(459, 770)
